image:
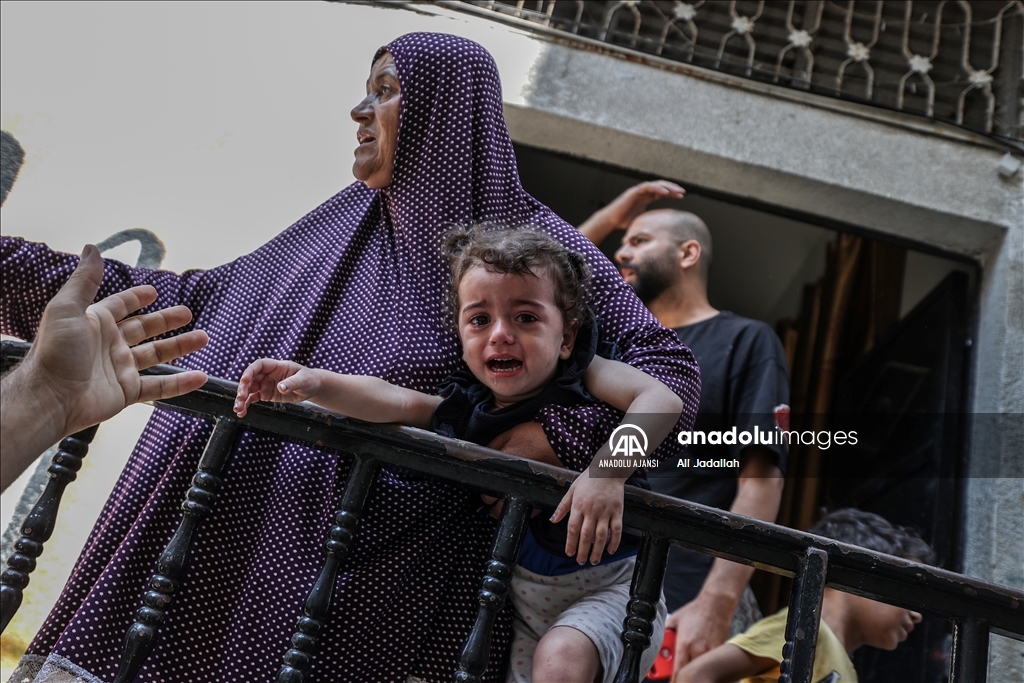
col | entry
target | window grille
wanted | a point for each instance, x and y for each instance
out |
(953, 61)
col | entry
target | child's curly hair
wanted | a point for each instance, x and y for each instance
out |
(871, 531)
(520, 251)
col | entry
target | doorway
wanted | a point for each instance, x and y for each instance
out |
(866, 323)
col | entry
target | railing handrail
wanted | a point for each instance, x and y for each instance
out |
(976, 607)
(788, 87)
(774, 548)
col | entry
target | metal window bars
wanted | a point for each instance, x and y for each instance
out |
(975, 607)
(948, 60)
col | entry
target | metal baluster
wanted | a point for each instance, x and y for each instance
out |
(577, 22)
(920, 64)
(645, 593)
(969, 659)
(141, 635)
(40, 522)
(318, 603)
(743, 26)
(610, 15)
(549, 10)
(800, 39)
(859, 52)
(804, 617)
(1006, 118)
(684, 12)
(494, 589)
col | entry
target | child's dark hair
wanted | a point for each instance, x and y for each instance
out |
(520, 251)
(871, 531)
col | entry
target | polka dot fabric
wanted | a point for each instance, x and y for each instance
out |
(356, 286)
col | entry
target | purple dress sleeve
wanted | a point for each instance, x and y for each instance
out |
(33, 273)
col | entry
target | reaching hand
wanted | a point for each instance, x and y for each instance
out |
(594, 505)
(280, 381)
(83, 358)
(627, 206)
(635, 200)
(701, 625)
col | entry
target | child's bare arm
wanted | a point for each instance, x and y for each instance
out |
(648, 403)
(724, 664)
(364, 398)
(595, 504)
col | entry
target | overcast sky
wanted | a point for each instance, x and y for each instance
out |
(216, 125)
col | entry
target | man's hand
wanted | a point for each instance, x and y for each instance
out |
(83, 369)
(706, 621)
(627, 206)
(83, 353)
(701, 625)
(594, 506)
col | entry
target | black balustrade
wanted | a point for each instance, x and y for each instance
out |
(39, 524)
(970, 651)
(339, 541)
(804, 616)
(644, 595)
(170, 566)
(494, 589)
(977, 608)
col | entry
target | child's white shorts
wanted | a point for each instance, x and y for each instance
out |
(592, 600)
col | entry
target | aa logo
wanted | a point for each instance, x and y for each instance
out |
(628, 441)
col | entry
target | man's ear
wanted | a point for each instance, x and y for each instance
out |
(689, 254)
(568, 339)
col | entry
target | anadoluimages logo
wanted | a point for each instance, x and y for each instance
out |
(628, 441)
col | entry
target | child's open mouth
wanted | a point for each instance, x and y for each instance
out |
(504, 365)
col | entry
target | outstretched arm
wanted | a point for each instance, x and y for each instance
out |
(627, 206)
(33, 273)
(594, 503)
(705, 622)
(724, 664)
(365, 398)
(82, 368)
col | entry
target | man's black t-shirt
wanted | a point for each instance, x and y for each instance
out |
(744, 384)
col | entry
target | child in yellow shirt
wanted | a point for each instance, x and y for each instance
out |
(847, 621)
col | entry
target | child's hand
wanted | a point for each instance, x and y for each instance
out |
(595, 516)
(275, 380)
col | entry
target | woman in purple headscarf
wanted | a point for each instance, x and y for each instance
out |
(356, 286)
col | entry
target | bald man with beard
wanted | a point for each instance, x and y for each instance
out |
(666, 256)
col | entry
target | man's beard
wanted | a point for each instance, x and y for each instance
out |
(651, 279)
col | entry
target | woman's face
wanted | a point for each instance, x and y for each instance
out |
(377, 116)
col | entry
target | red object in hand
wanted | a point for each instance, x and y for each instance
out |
(662, 669)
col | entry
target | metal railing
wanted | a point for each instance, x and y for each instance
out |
(952, 61)
(976, 608)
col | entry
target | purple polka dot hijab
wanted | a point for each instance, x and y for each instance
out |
(355, 286)
(455, 160)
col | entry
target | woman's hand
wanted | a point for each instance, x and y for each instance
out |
(594, 505)
(280, 381)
